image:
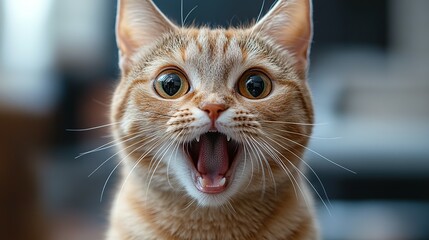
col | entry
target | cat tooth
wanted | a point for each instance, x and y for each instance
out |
(204, 182)
(198, 139)
(201, 181)
(228, 138)
(222, 182)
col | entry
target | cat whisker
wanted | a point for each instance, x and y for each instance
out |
(260, 11)
(294, 123)
(189, 13)
(99, 127)
(249, 150)
(181, 12)
(144, 154)
(278, 161)
(105, 161)
(276, 158)
(175, 150)
(111, 144)
(161, 155)
(156, 144)
(191, 202)
(288, 172)
(91, 128)
(318, 154)
(230, 21)
(304, 135)
(305, 163)
(266, 163)
(147, 141)
(165, 149)
(261, 166)
(303, 175)
(230, 207)
(114, 142)
(114, 169)
(245, 151)
(264, 23)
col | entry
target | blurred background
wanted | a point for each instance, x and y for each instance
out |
(369, 76)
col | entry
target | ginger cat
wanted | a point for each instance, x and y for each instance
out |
(212, 126)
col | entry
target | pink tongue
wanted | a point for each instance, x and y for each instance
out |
(213, 157)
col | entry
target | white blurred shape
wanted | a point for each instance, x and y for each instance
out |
(26, 56)
(81, 35)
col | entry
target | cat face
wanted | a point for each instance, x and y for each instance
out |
(212, 113)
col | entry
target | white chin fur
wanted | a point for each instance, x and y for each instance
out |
(180, 169)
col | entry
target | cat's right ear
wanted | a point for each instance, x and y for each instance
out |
(289, 24)
(138, 23)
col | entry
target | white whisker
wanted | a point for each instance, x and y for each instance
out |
(288, 172)
(251, 166)
(123, 149)
(295, 123)
(111, 144)
(266, 163)
(304, 135)
(192, 201)
(159, 158)
(175, 150)
(303, 175)
(318, 154)
(144, 154)
(181, 12)
(114, 169)
(189, 13)
(309, 167)
(260, 163)
(260, 11)
(92, 128)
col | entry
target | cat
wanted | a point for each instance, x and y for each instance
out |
(211, 126)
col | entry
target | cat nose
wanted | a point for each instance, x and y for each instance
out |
(214, 110)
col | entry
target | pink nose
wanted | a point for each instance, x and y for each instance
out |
(213, 110)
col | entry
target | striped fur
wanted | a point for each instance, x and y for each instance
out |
(267, 197)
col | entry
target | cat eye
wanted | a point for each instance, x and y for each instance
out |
(171, 84)
(254, 85)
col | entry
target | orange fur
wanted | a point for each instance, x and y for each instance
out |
(265, 196)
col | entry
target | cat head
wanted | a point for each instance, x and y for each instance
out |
(214, 113)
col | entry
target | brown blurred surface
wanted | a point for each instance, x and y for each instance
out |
(21, 138)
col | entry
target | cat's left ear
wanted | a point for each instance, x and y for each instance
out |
(289, 24)
(138, 23)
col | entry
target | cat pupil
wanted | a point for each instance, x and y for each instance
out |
(171, 83)
(255, 85)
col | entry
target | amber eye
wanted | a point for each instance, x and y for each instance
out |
(254, 85)
(171, 84)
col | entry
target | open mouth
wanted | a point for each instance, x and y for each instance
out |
(213, 159)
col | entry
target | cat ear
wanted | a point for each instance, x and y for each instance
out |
(138, 23)
(289, 23)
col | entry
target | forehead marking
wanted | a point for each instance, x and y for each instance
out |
(220, 53)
